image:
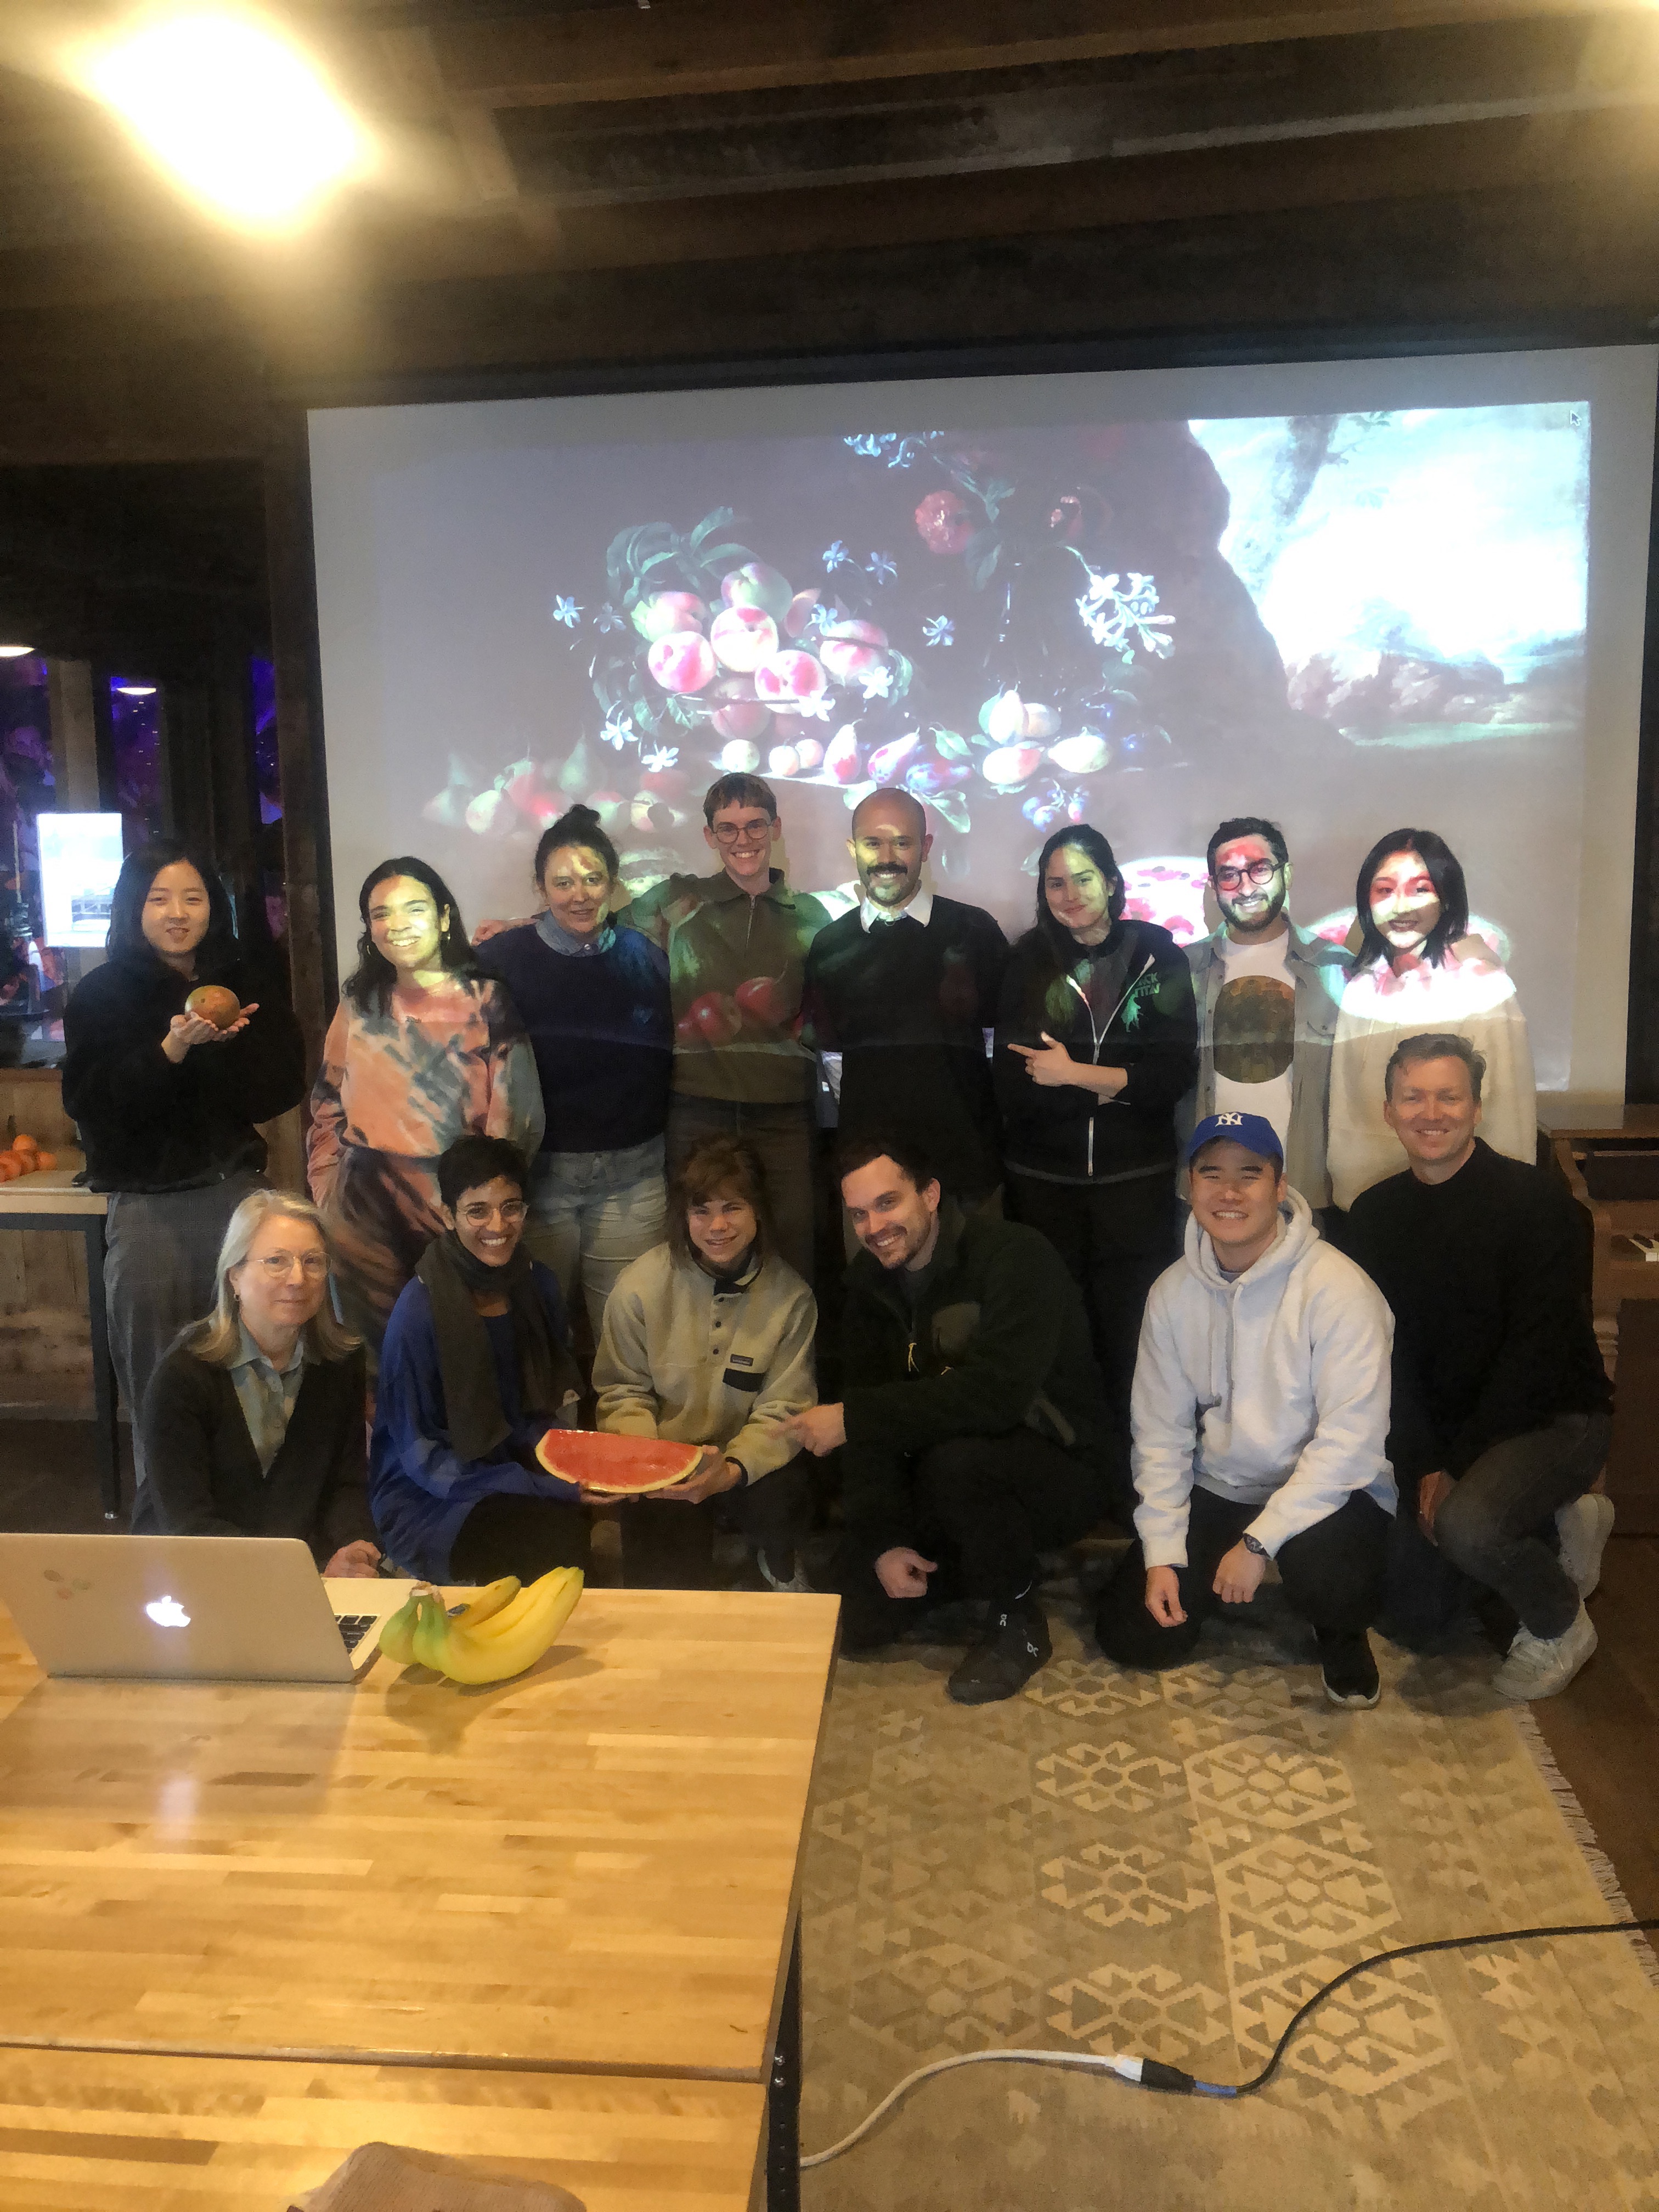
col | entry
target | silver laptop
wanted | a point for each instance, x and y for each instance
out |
(191, 1608)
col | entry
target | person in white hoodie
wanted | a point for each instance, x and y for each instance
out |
(1260, 1415)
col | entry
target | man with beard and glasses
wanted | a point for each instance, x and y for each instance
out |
(973, 1426)
(900, 992)
(1268, 997)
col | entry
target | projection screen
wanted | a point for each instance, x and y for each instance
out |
(1349, 596)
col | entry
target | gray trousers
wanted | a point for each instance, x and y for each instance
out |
(1496, 1532)
(161, 1249)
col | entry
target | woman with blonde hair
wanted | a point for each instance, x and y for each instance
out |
(254, 1422)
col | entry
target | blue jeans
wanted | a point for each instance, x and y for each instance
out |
(591, 1213)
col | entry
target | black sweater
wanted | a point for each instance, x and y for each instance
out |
(148, 1126)
(602, 1032)
(1140, 988)
(907, 1007)
(997, 1341)
(205, 1478)
(1493, 1334)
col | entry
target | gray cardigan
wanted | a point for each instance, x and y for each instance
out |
(1320, 970)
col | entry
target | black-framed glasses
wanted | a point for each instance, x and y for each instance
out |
(733, 833)
(1258, 872)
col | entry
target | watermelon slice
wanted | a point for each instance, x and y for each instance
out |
(626, 1467)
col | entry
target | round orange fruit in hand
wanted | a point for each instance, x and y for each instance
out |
(212, 1002)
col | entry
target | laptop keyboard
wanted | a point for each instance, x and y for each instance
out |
(354, 1627)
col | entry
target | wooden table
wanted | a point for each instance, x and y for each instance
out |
(50, 1199)
(590, 1868)
(79, 2134)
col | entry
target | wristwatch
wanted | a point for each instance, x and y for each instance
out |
(1250, 1545)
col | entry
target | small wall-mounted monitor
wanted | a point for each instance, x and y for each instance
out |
(80, 859)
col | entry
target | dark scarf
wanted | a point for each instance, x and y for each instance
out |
(472, 1398)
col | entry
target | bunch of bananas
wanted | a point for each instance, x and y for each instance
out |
(504, 1630)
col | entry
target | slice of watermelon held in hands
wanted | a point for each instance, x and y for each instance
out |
(624, 1466)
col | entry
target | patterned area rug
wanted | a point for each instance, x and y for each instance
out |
(1168, 1865)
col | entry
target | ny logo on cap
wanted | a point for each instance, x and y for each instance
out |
(1230, 1120)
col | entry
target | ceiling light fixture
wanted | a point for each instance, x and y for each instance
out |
(14, 652)
(237, 114)
(135, 691)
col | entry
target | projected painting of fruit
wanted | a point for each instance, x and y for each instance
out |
(1341, 621)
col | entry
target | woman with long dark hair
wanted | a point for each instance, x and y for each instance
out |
(594, 996)
(166, 1104)
(1096, 1041)
(1418, 970)
(422, 1049)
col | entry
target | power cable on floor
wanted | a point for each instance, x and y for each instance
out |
(1152, 2073)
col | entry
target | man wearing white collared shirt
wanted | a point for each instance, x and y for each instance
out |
(899, 995)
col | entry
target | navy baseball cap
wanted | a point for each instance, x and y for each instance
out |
(1253, 1130)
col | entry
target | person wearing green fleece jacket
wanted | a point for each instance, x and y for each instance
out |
(974, 1428)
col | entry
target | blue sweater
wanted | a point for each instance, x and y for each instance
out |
(602, 1032)
(419, 1492)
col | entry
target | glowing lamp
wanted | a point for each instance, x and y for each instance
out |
(239, 116)
(14, 652)
(135, 691)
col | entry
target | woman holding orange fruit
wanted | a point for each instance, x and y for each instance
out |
(169, 1061)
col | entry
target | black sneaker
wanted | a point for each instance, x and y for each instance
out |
(1350, 1671)
(1014, 1645)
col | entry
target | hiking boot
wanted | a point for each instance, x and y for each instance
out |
(1584, 1527)
(1539, 1666)
(1014, 1646)
(795, 1580)
(1350, 1671)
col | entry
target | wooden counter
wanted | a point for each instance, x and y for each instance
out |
(592, 1867)
(168, 2134)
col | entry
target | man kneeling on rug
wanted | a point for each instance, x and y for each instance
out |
(976, 1425)
(1260, 1414)
(1501, 1408)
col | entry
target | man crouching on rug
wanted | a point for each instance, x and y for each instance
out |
(1260, 1415)
(976, 1426)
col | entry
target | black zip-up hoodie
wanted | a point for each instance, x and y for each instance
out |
(148, 1126)
(997, 1341)
(1127, 1002)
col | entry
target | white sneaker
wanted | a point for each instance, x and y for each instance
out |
(796, 1581)
(1539, 1666)
(1585, 1526)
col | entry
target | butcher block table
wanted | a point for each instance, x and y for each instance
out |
(79, 2134)
(589, 1869)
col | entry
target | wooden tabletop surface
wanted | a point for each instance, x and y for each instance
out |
(53, 1190)
(81, 2134)
(590, 1866)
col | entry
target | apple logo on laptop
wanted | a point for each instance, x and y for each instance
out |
(167, 1612)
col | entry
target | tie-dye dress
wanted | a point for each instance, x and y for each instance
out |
(394, 1091)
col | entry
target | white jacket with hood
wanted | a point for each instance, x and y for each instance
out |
(1270, 1390)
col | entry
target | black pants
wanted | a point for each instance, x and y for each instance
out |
(1496, 1532)
(983, 1507)
(1333, 1573)
(519, 1535)
(1116, 1239)
(669, 1546)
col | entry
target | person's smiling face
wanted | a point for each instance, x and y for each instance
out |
(490, 1220)
(1235, 1197)
(891, 1218)
(1431, 1107)
(1080, 895)
(722, 1227)
(1405, 905)
(888, 843)
(176, 913)
(577, 886)
(743, 835)
(404, 924)
(1251, 886)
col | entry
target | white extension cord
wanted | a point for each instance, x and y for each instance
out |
(1127, 2068)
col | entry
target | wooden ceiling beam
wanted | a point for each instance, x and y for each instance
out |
(706, 46)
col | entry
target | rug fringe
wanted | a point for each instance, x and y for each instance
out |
(1602, 1870)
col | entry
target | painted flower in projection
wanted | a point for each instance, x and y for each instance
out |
(939, 629)
(566, 610)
